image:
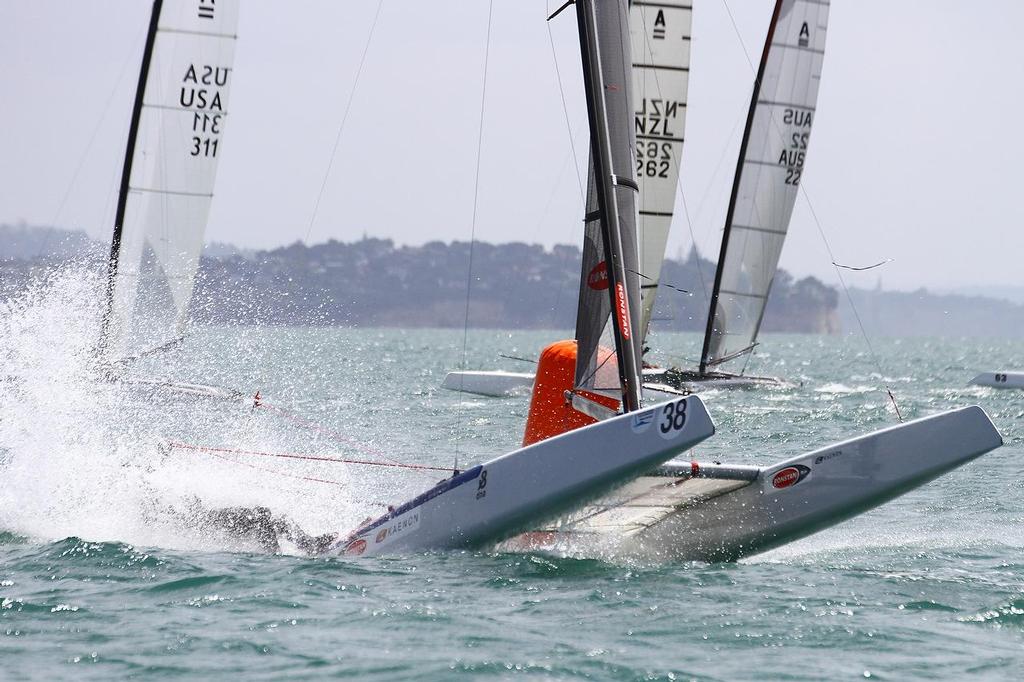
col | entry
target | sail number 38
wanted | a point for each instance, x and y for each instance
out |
(673, 417)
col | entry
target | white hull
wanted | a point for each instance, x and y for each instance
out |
(999, 380)
(496, 384)
(529, 486)
(677, 516)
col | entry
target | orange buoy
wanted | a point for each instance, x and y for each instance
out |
(550, 413)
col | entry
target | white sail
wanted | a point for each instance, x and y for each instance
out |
(768, 176)
(175, 142)
(660, 37)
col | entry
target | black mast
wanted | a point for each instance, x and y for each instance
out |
(736, 187)
(600, 148)
(126, 171)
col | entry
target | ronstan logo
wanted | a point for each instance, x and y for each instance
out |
(356, 547)
(789, 476)
(622, 310)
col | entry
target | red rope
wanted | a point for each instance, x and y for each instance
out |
(312, 458)
(340, 437)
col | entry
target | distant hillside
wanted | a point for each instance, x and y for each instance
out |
(372, 282)
(921, 313)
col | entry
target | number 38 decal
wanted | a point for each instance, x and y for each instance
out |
(673, 418)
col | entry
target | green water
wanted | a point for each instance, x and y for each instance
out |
(103, 577)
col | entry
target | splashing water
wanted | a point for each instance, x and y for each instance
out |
(85, 456)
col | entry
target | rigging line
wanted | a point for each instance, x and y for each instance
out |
(476, 205)
(849, 298)
(516, 357)
(678, 161)
(344, 119)
(828, 249)
(565, 112)
(861, 269)
(92, 139)
(660, 284)
(310, 458)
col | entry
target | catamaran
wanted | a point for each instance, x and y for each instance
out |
(713, 511)
(1003, 379)
(552, 475)
(765, 185)
(175, 140)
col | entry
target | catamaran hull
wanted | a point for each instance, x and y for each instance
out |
(725, 520)
(694, 382)
(521, 489)
(496, 384)
(999, 380)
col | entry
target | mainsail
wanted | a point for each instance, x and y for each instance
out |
(771, 160)
(660, 39)
(174, 142)
(610, 280)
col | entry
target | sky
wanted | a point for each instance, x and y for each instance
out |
(914, 155)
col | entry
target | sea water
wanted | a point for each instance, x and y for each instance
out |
(105, 574)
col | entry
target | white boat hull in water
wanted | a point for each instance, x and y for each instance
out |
(500, 384)
(715, 513)
(496, 384)
(999, 380)
(529, 486)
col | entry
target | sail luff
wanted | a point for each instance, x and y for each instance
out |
(126, 170)
(623, 289)
(768, 171)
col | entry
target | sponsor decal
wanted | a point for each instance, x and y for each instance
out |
(642, 421)
(356, 547)
(598, 277)
(399, 525)
(790, 476)
(824, 458)
(622, 310)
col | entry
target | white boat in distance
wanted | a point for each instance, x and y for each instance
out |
(999, 380)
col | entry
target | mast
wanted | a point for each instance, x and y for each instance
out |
(736, 187)
(606, 183)
(126, 170)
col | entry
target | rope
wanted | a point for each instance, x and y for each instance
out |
(344, 118)
(311, 458)
(476, 204)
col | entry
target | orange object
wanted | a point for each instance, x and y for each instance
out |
(550, 413)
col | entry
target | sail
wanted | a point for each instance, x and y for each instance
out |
(609, 283)
(767, 179)
(175, 141)
(660, 39)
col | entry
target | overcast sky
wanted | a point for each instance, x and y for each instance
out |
(915, 152)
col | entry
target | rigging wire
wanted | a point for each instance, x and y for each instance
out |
(476, 205)
(828, 248)
(344, 119)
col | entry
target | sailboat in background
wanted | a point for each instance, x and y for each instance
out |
(558, 474)
(167, 180)
(771, 161)
(659, 40)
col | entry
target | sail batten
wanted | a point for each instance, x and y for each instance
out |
(174, 143)
(768, 173)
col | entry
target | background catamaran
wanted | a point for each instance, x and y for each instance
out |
(765, 185)
(174, 142)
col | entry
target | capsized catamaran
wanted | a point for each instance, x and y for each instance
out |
(659, 40)
(703, 511)
(167, 180)
(552, 475)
